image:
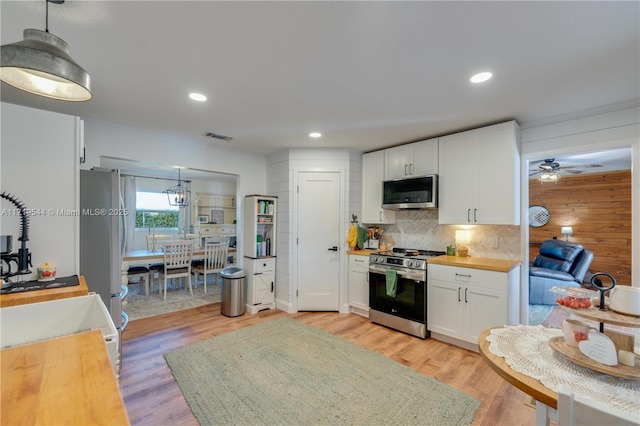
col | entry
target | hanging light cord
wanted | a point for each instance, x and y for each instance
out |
(46, 14)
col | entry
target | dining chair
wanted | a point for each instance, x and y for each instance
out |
(215, 260)
(177, 262)
(142, 275)
(575, 410)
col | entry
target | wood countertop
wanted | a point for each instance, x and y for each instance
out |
(486, 263)
(63, 381)
(44, 295)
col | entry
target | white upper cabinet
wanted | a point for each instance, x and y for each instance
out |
(414, 159)
(479, 179)
(372, 176)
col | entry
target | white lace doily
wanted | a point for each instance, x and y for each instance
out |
(526, 349)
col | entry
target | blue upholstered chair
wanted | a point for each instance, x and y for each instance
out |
(560, 263)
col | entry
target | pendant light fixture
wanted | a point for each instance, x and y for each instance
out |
(549, 176)
(41, 64)
(178, 195)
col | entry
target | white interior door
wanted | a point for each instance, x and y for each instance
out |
(318, 234)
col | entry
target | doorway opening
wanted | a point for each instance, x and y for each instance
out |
(581, 198)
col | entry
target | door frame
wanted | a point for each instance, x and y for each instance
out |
(343, 303)
(605, 142)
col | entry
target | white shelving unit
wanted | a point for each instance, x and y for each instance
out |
(213, 217)
(260, 251)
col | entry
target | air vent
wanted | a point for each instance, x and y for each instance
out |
(217, 136)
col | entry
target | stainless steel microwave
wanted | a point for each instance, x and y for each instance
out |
(417, 192)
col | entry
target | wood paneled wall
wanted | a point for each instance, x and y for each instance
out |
(598, 208)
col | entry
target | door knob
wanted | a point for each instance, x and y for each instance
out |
(334, 248)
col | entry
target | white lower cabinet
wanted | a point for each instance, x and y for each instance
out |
(359, 284)
(463, 302)
(260, 284)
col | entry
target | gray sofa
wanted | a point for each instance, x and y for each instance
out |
(560, 263)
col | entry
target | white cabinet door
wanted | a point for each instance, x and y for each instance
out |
(425, 158)
(359, 284)
(479, 176)
(484, 308)
(414, 159)
(398, 162)
(497, 175)
(444, 314)
(455, 192)
(260, 288)
(372, 176)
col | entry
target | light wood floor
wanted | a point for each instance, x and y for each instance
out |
(152, 396)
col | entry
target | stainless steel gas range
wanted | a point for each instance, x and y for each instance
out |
(397, 289)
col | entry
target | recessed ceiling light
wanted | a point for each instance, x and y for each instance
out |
(480, 77)
(315, 134)
(198, 97)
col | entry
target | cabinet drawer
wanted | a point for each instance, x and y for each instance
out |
(264, 265)
(468, 276)
(358, 262)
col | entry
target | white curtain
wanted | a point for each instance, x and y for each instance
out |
(128, 191)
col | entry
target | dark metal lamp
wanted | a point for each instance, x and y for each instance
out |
(41, 64)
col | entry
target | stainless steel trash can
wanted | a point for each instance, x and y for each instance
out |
(232, 298)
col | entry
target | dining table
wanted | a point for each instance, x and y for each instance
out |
(522, 355)
(147, 257)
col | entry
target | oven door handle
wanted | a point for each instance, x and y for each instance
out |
(416, 276)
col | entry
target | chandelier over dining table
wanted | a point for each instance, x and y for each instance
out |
(178, 195)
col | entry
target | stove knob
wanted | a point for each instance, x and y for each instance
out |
(409, 263)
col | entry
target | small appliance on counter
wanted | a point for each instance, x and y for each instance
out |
(372, 244)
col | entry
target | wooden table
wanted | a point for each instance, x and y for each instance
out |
(146, 257)
(527, 348)
(547, 399)
(62, 381)
(33, 296)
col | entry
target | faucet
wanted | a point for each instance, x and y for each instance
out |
(23, 258)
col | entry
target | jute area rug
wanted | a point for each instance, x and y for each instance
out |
(138, 305)
(283, 372)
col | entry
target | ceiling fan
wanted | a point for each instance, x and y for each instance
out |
(548, 170)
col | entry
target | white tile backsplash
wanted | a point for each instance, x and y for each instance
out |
(419, 229)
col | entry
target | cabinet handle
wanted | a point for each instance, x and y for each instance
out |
(465, 295)
(469, 215)
(459, 293)
(475, 218)
(405, 169)
(380, 215)
(411, 168)
(462, 275)
(271, 286)
(358, 260)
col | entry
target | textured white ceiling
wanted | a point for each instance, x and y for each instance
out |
(367, 75)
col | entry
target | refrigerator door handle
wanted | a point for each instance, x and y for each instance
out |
(125, 321)
(124, 292)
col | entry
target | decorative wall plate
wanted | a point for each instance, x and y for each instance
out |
(538, 216)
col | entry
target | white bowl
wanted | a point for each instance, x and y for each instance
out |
(625, 300)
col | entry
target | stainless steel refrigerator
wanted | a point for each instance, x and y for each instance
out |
(102, 240)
